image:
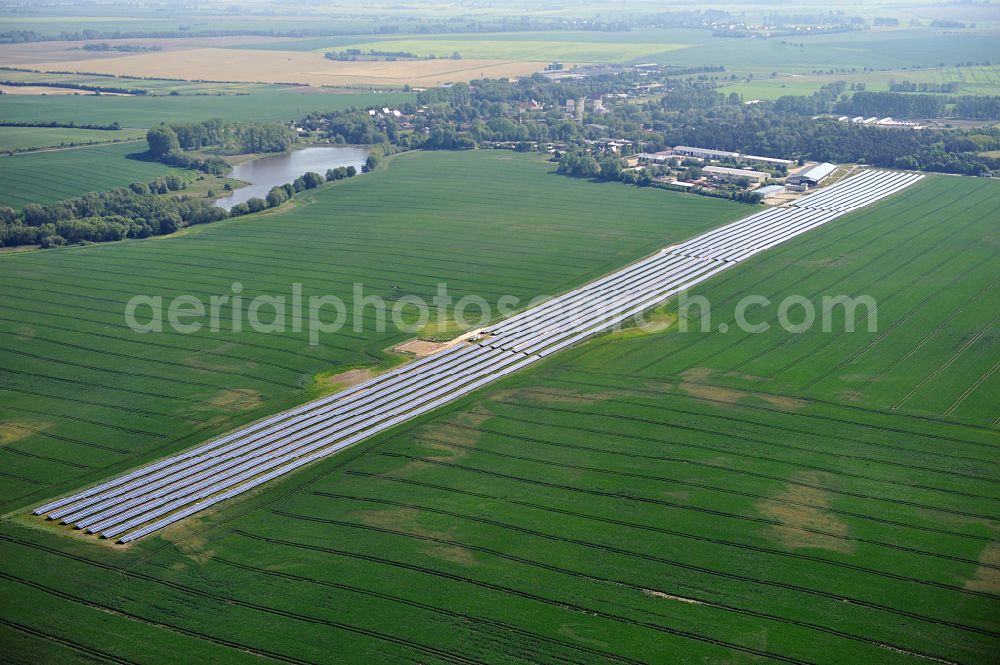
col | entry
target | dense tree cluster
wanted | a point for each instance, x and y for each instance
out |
(239, 137)
(689, 112)
(354, 54)
(125, 48)
(136, 211)
(907, 86)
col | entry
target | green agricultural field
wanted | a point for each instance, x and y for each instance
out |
(928, 259)
(879, 50)
(971, 81)
(29, 138)
(615, 504)
(498, 48)
(43, 177)
(274, 104)
(84, 396)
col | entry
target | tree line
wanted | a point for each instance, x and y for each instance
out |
(111, 127)
(138, 211)
(688, 112)
(904, 105)
(78, 86)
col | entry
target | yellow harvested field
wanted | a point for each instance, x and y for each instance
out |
(292, 67)
(19, 55)
(40, 90)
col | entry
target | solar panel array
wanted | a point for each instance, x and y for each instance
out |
(157, 495)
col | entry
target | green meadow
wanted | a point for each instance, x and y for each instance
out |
(643, 498)
(144, 111)
(44, 177)
(30, 138)
(85, 396)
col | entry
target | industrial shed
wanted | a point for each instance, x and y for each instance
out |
(726, 173)
(812, 175)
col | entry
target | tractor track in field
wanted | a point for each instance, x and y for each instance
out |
(226, 600)
(882, 334)
(171, 333)
(531, 532)
(948, 363)
(729, 435)
(691, 567)
(904, 215)
(528, 596)
(429, 608)
(923, 340)
(810, 400)
(896, 324)
(101, 656)
(149, 343)
(728, 490)
(726, 469)
(718, 513)
(827, 288)
(743, 422)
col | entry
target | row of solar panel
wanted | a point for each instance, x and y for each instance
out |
(152, 497)
(595, 307)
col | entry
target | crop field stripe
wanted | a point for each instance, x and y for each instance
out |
(155, 361)
(550, 567)
(779, 523)
(431, 608)
(978, 382)
(718, 467)
(145, 342)
(157, 624)
(528, 596)
(89, 384)
(130, 374)
(226, 600)
(831, 229)
(923, 340)
(694, 568)
(101, 656)
(836, 337)
(103, 405)
(948, 362)
(570, 541)
(812, 400)
(129, 430)
(743, 421)
(670, 504)
(749, 439)
(901, 320)
(826, 288)
(164, 332)
(671, 532)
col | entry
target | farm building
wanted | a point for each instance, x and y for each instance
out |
(725, 173)
(661, 157)
(768, 160)
(770, 190)
(812, 175)
(704, 153)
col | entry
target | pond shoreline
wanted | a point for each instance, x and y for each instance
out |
(262, 172)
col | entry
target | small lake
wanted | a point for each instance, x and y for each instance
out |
(266, 172)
